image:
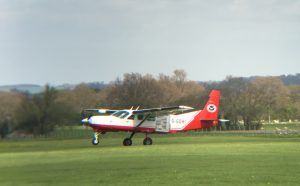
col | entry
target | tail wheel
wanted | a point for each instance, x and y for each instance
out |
(127, 142)
(147, 141)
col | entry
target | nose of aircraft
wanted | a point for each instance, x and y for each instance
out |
(85, 120)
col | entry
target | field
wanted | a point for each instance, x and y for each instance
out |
(186, 159)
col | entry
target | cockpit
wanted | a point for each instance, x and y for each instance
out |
(121, 114)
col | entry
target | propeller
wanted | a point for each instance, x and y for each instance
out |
(85, 117)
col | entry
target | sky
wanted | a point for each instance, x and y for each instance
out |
(74, 41)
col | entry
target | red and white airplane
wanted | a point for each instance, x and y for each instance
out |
(146, 120)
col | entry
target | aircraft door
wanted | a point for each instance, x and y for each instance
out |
(162, 124)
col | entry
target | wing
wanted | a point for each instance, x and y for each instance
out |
(185, 108)
(101, 111)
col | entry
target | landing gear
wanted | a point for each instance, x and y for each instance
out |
(147, 141)
(127, 142)
(95, 140)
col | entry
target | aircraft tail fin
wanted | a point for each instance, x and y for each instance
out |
(207, 117)
(211, 109)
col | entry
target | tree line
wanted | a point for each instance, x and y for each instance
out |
(250, 101)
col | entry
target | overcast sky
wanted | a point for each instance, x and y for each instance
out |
(70, 41)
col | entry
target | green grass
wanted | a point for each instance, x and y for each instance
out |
(293, 126)
(65, 132)
(172, 160)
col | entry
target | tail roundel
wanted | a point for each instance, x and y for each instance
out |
(211, 109)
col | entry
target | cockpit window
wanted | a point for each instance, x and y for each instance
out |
(121, 114)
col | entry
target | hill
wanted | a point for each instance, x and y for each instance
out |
(28, 88)
(291, 79)
(33, 89)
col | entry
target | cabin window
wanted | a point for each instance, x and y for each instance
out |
(140, 117)
(151, 118)
(131, 117)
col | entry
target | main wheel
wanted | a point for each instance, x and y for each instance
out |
(127, 142)
(147, 141)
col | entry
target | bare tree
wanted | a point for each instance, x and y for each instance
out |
(180, 78)
(271, 94)
(147, 91)
(135, 90)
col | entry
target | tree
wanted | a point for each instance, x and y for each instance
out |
(294, 102)
(252, 99)
(192, 95)
(74, 101)
(9, 103)
(179, 78)
(170, 93)
(270, 93)
(39, 114)
(232, 100)
(135, 90)
(146, 91)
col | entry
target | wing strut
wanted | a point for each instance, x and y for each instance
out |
(134, 131)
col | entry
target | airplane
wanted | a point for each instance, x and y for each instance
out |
(147, 120)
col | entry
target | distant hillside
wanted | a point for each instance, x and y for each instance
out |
(291, 79)
(34, 89)
(286, 79)
(28, 88)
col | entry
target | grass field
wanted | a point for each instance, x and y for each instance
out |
(171, 160)
(82, 132)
